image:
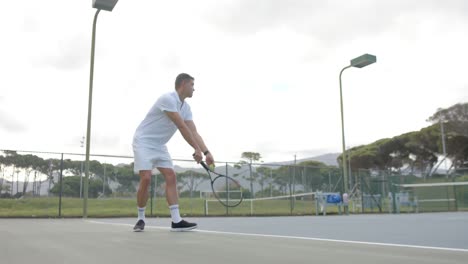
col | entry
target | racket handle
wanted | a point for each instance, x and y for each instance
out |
(204, 165)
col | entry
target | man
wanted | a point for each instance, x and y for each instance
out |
(169, 114)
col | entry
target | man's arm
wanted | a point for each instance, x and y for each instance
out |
(191, 125)
(186, 133)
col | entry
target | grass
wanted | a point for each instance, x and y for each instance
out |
(73, 207)
(126, 207)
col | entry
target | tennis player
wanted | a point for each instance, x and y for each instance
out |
(169, 114)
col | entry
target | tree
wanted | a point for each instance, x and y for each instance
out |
(2, 168)
(423, 148)
(264, 174)
(33, 164)
(418, 149)
(455, 122)
(283, 179)
(313, 174)
(247, 158)
(5, 188)
(125, 176)
(455, 118)
(10, 160)
(30, 163)
(457, 146)
(71, 187)
(190, 180)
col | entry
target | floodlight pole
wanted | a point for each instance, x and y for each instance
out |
(81, 170)
(343, 156)
(88, 129)
(359, 62)
(444, 149)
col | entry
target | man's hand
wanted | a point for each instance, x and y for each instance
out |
(197, 156)
(209, 159)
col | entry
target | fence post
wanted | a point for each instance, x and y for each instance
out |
(103, 182)
(392, 190)
(362, 191)
(227, 194)
(455, 195)
(61, 187)
(206, 207)
(290, 191)
(152, 194)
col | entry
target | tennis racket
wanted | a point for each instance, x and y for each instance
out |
(225, 189)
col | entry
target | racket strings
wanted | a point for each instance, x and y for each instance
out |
(227, 191)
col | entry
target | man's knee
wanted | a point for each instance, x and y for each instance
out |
(145, 179)
(171, 179)
(169, 175)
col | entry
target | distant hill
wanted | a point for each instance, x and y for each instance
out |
(328, 159)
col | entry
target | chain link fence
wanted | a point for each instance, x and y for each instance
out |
(47, 184)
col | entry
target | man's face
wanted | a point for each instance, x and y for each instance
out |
(188, 88)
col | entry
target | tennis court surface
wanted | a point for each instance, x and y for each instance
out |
(405, 238)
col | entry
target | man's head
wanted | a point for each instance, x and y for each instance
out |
(184, 85)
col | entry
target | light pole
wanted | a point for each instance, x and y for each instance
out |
(444, 149)
(81, 170)
(359, 62)
(349, 169)
(107, 5)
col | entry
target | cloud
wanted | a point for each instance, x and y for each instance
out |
(331, 22)
(30, 24)
(9, 124)
(171, 61)
(66, 54)
(7, 121)
(266, 71)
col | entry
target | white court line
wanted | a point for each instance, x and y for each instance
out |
(122, 224)
(297, 237)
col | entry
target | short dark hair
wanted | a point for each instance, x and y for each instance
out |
(182, 77)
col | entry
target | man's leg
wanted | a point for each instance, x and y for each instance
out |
(143, 194)
(171, 193)
(142, 198)
(173, 201)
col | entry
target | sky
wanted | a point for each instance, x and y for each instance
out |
(266, 72)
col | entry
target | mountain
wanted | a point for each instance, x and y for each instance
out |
(329, 159)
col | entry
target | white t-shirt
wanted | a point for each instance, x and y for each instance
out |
(157, 128)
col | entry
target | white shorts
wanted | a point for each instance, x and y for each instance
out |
(148, 158)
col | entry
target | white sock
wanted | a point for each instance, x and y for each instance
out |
(175, 213)
(141, 213)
